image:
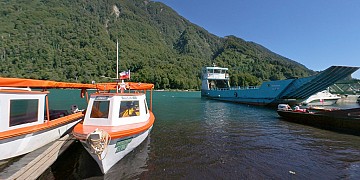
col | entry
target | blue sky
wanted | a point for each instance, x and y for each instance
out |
(315, 33)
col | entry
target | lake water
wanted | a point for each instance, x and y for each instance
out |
(196, 138)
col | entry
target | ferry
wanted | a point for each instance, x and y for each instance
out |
(215, 85)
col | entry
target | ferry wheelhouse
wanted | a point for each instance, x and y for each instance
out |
(214, 78)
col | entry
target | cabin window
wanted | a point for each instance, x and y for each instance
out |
(100, 109)
(217, 71)
(129, 108)
(23, 111)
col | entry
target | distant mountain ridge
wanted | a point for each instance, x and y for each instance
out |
(76, 41)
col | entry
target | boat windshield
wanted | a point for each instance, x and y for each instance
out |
(129, 108)
(100, 109)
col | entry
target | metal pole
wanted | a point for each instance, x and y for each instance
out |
(151, 94)
(47, 108)
(117, 66)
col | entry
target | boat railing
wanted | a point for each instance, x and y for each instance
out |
(215, 76)
(220, 89)
(241, 88)
(236, 88)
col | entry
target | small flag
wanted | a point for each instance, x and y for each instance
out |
(125, 75)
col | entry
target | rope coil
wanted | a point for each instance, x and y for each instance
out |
(98, 141)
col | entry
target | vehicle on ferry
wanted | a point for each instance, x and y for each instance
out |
(323, 98)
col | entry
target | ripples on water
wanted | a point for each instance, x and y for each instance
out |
(195, 138)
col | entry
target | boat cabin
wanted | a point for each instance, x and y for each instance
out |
(215, 78)
(21, 107)
(115, 109)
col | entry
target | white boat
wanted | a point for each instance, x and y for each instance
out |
(115, 123)
(324, 98)
(26, 122)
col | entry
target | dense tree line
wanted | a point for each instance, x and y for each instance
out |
(75, 41)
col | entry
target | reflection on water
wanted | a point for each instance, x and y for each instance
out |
(195, 138)
(133, 164)
(76, 163)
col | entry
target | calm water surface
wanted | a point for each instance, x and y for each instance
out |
(195, 138)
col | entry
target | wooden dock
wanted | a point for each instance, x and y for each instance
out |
(32, 165)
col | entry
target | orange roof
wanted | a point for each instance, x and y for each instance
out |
(33, 83)
(129, 85)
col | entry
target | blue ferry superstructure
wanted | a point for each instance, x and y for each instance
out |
(215, 85)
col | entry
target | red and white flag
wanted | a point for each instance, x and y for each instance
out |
(125, 75)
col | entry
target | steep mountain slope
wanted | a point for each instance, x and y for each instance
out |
(76, 41)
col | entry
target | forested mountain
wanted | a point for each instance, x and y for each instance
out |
(75, 40)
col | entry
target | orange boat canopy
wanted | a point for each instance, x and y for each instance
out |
(129, 86)
(32, 83)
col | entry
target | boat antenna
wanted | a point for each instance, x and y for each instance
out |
(117, 65)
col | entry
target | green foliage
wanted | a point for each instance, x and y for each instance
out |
(76, 41)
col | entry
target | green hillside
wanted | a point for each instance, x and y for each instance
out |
(76, 41)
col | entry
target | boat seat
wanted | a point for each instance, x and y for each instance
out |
(55, 114)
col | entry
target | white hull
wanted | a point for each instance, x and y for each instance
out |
(20, 145)
(111, 156)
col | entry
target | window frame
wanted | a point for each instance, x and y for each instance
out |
(25, 115)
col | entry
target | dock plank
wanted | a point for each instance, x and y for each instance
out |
(37, 162)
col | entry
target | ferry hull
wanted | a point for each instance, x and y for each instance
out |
(117, 149)
(244, 97)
